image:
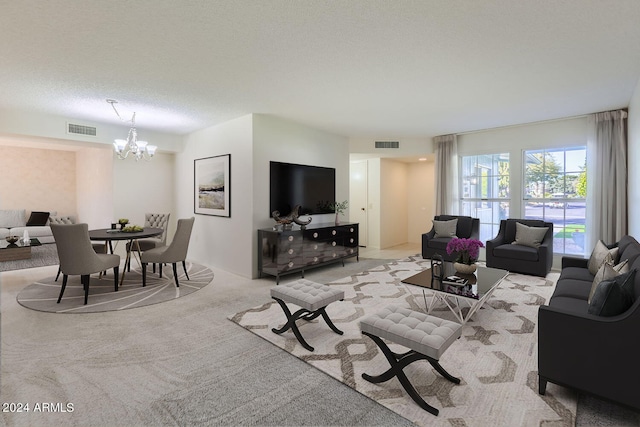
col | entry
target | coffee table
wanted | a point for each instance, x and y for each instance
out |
(16, 251)
(477, 288)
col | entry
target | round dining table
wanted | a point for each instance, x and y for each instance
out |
(109, 235)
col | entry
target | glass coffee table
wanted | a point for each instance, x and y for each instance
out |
(457, 290)
(16, 251)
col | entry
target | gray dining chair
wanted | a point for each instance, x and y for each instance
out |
(78, 257)
(155, 220)
(174, 253)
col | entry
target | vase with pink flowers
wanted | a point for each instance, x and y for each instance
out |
(467, 251)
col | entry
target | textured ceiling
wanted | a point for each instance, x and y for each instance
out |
(355, 67)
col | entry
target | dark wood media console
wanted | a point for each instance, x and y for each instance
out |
(291, 251)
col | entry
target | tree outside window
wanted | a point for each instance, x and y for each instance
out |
(555, 191)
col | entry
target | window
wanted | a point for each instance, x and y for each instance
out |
(555, 190)
(485, 191)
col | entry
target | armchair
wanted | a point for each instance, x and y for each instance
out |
(502, 253)
(467, 227)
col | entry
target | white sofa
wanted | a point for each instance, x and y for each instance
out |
(13, 222)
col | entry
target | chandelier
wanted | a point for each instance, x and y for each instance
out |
(131, 146)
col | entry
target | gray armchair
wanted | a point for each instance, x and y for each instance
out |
(174, 253)
(501, 253)
(467, 228)
(78, 257)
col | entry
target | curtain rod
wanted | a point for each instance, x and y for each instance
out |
(534, 123)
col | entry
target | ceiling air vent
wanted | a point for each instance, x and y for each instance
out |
(387, 144)
(81, 130)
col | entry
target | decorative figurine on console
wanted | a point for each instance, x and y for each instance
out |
(437, 268)
(294, 216)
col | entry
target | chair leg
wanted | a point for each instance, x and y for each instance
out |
(397, 363)
(144, 274)
(160, 269)
(175, 274)
(64, 285)
(154, 267)
(115, 276)
(184, 267)
(85, 284)
(58, 275)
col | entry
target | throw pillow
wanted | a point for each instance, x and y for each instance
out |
(611, 297)
(607, 272)
(37, 219)
(529, 236)
(598, 255)
(445, 228)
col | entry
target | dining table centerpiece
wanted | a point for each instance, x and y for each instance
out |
(467, 251)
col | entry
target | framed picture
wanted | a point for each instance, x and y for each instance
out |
(212, 189)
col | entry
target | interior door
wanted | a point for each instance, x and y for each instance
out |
(358, 198)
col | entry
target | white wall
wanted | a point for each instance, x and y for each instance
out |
(222, 242)
(633, 160)
(421, 199)
(94, 176)
(374, 198)
(408, 147)
(38, 125)
(141, 187)
(394, 203)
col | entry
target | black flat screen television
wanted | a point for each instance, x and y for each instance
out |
(311, 187)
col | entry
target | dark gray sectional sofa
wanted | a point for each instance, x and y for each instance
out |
(594, 354)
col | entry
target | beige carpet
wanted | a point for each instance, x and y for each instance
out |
(496, 356)
(43, 294)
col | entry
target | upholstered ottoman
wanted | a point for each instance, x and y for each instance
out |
(427, 337)
(312, 297)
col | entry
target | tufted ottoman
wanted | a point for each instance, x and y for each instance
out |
(312, 297)
(427, 337)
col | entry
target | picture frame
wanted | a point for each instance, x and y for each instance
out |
(212, 185)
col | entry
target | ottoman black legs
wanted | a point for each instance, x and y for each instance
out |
(398, 362)
(305, 315)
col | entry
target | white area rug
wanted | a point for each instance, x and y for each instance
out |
(496, 357)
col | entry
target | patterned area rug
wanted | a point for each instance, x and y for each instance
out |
(42, 295)
(496, 357)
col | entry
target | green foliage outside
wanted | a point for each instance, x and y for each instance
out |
(567, 232)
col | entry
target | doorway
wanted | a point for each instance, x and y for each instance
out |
(358, 199)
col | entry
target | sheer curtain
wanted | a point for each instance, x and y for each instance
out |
(606, 178)
(446, 174)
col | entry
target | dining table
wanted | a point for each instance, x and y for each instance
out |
(109, 235)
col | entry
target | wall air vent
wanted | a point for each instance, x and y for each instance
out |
(81, 130)
(387, 144)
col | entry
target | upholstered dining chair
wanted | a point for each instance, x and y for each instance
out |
(174, 253)
(155, 220)
(78, 257)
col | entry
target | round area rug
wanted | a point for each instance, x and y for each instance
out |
(43, 295)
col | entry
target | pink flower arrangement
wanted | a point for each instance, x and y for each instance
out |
(467, 249)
